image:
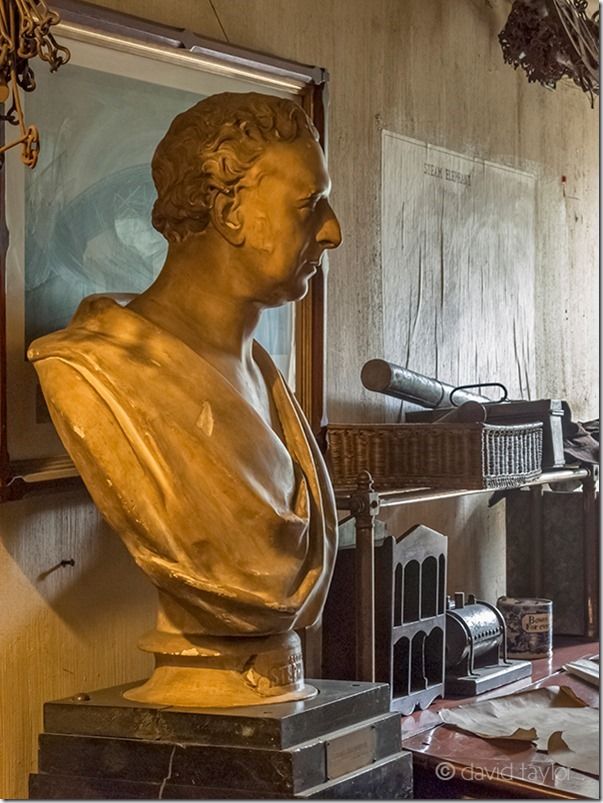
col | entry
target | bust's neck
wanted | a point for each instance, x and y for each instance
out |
(198, 298)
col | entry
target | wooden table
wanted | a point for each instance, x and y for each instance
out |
(448, 763)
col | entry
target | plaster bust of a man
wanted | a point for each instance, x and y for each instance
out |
(181, 426)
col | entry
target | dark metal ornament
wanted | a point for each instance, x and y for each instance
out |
(553, 39)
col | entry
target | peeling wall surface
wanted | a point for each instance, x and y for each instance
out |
(457, 236)
(430, 70)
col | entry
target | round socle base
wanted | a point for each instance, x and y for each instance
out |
(196, 688)
(212, 672)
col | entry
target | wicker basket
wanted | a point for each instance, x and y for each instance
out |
(434, 455)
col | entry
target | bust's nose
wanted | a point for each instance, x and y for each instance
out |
(329, 235)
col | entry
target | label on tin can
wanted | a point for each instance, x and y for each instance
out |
(529, 626)
(536, 622)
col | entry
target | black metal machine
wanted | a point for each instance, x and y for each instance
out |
(476, 652)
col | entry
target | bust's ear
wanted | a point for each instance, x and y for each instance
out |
(227, 218)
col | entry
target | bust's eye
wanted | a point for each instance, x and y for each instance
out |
(310, 203)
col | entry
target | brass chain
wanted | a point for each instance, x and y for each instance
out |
(24, 35)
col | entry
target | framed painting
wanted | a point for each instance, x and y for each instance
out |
(79, 223)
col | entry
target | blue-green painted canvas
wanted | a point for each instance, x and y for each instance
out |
(88, 202)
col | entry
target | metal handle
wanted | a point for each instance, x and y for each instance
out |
(504, 397)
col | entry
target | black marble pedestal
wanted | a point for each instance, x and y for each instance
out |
(342, 744)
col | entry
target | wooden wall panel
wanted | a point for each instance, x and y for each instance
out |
(427, 69)
(66, 629)
(476, 548)
(567, 283)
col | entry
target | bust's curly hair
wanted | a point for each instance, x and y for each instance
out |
(210, 147)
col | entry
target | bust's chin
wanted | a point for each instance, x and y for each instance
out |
(280, 298)
(295, 289)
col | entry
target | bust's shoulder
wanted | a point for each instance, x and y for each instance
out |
(89, 318)
(100, 322)
(86, 380)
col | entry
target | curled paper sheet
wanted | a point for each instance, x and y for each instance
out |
(536, 716)
(575, 749)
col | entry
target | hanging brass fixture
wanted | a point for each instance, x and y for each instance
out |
(554, 39)
(24, 34)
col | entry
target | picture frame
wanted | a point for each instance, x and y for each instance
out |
(67, 228)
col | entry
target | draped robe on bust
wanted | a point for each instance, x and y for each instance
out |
(224, 516)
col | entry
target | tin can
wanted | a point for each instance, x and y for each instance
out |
(529, 626)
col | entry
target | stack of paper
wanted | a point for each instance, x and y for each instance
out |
(585, 669)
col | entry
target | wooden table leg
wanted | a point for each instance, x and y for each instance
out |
(365, 506)
(537, 540)
(591, 556)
